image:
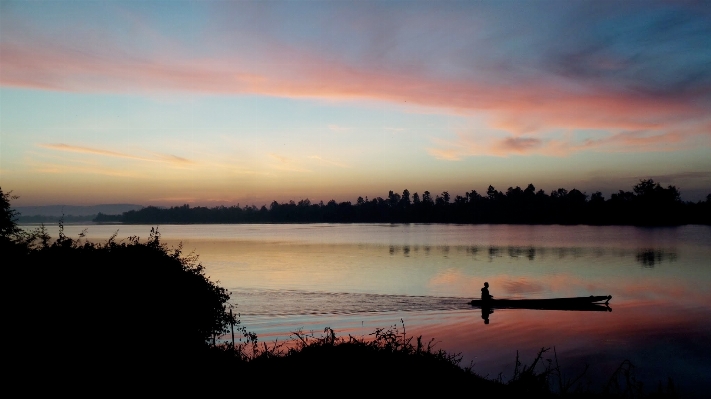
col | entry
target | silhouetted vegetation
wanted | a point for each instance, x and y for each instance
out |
(108, 311)
(647, 204)
(134, 316)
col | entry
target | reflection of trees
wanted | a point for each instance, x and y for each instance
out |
(519, 252)
(531, 253)
(650, 257)
(647, 257)
(472, 250)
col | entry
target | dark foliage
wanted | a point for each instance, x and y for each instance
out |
(648, 204)
(387, 361)
(8, 218)
(111, 311)
(391, 361)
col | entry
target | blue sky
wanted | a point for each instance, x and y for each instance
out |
(247, 102)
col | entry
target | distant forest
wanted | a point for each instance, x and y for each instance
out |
(648, 204)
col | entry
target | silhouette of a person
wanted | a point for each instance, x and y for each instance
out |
(485, 296)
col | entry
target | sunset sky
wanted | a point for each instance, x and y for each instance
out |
(217, 102)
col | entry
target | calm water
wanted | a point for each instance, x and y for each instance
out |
(354, 278)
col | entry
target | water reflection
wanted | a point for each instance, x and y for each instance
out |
(649, 257)
(355, 278)
(521, 287)
(518, 252)
(487, 310)
(280, 303)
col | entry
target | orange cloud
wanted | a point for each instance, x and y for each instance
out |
(173, 159)
(448, 154)
(286, 164)
(87, 150)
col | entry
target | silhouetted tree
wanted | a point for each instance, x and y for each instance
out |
(559, 193)
(445, 197)
(393, 198)
(530, 190)
(8, 217)
(492, 193)
(597, 197)
(405, 197)
(577, 197)
(427, 197)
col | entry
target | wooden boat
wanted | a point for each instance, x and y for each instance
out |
(590, 303)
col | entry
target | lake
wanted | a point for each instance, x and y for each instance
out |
(358, 277)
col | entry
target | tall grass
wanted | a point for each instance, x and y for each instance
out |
(390, 360)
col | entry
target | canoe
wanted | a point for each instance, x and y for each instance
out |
(593, 303)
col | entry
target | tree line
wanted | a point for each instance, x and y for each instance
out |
(647, 204)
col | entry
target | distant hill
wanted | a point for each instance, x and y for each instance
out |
(71, 212)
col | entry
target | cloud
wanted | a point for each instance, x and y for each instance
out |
(174, 159)
(280, 158)
(286, 164)
(338, 129)
(329, 162)
(87, 150)
(182, 200)
(468, 144)
(644, 50)
(167, 158)
(520, 144)
(634, 141)
(448, 154)
(637, 68)
(683, 176)
(78, 168)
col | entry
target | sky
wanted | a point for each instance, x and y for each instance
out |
(223, 103)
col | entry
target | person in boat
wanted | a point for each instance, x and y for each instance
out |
(485, 296)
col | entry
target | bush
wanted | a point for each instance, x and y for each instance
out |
(110, 309)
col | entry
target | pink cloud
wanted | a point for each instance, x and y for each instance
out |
(523, 110)
(472, 144)
(520, 144)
